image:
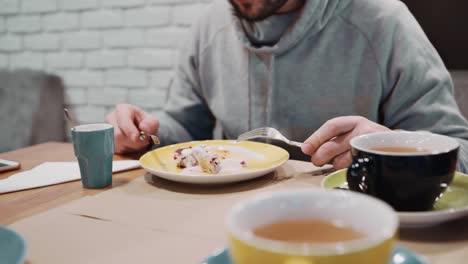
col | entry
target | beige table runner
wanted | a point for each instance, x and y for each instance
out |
(146, 221)
(58, 237)
(151, 220)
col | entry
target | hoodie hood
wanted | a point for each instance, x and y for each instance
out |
(312, 19)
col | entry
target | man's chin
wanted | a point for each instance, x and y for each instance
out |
(256, 13)
(252, 17)
(249, 16)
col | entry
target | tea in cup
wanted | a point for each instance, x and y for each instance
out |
(311, 226)
(408, 170)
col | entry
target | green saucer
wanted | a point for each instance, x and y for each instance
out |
(12, 246)
(455, 197)
(400, 255)
(453, 203)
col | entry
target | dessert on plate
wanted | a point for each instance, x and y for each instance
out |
(198, 156)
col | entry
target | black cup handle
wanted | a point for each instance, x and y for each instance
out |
(359, 173)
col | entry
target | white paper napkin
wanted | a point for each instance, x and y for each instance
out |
(50, 173)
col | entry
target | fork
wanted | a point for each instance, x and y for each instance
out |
(154, 138)
(267, 132)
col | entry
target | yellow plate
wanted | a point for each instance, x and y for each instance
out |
(260, 159)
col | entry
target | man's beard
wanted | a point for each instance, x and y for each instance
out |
(265, 9)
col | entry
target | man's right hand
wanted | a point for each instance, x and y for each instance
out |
(128, 120)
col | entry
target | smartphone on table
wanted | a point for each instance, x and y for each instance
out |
(6, 165)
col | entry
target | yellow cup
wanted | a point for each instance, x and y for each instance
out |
(365, 214)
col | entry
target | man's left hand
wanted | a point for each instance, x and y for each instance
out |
(330, 143)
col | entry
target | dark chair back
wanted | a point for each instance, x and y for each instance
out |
(31, 107)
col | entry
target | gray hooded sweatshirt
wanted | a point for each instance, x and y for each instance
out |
(341, 57)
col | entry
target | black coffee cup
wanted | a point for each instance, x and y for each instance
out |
(408, 170)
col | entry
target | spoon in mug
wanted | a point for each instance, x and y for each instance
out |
(67, 114)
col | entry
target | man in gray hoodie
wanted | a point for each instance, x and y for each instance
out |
(320, 71)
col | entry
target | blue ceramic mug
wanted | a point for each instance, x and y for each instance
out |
(94, 148)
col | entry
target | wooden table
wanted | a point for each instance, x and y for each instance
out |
(447, 243)
(17, 205)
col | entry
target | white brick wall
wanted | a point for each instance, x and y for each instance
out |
(106, 59)
(83, 40)
(123, 38)
(151, 59)
(76, 96)
(3, 61)
(167, 37)
(10, 43)
(102, 19)
(64, 60)
(9, 6)
(89, 113)
(147, 17)
(42, 42)
(122, 3)
(74, 5)
(127, 78)
(60, 21)
(2, 24)
(106, 51)
(109, 97)
(147, 99)
(84, 78)
(185, 14)
(31, 60)
(24, 24)
(38, 6)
